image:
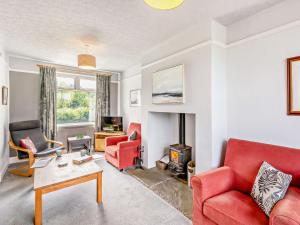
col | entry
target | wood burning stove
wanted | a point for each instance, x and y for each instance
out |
(180, 154)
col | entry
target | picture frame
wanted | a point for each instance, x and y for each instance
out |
(135, 98)
(4, 95)
(168, 86)
(293, 86)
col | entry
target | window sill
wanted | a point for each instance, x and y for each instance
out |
(69, 125)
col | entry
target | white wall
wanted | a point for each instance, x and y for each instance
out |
(280, 14)
(196, 54)
(162, 124)
(256, 89)
(3, 117)
(27, 99)
(131, 80)
(198, 101)
(219, 104)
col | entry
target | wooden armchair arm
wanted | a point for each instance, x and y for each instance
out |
(17, 148)
(55, 142)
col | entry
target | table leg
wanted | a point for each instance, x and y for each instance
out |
(99, 188)
(38, 207)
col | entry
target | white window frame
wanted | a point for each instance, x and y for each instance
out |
(76, 87)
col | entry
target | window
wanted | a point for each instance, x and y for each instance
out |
(76, 99)
(65, 82)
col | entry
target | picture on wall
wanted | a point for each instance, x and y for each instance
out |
(293, 87)
(4, 95)
(135, 97)
(168, 86)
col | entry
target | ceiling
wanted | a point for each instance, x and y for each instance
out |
(118, 31)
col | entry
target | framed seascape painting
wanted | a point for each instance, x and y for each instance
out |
(135, 97)
(293, 86)
(168, 86)
(4, 95)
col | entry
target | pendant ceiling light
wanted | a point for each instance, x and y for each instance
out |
(86, 61)
(164, 4)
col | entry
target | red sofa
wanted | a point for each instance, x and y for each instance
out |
(120, 151)
(222, 196)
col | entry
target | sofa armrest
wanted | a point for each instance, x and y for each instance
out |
(115, 140)
(287, 210)
(129, 144)
(209, 184)
(213, 182)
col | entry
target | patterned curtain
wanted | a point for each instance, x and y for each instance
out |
(48, 101)
(102, 98)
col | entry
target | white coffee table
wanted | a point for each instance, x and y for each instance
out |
(52, 178)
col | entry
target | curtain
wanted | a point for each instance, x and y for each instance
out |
(48, 101)
(102, 98)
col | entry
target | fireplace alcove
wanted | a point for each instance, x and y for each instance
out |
(162, 131)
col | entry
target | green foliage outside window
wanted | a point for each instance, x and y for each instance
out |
(75, 106)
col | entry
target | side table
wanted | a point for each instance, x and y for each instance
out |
(78, 143)
(100, 139)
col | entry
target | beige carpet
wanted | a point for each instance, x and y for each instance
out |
(125, 202)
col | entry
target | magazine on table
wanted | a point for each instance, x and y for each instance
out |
(42, 162)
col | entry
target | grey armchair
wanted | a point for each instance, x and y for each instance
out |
(31, 129)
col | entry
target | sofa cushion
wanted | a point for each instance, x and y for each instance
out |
(234, 208)
(269, 187)
(112, 150)
(286, 211)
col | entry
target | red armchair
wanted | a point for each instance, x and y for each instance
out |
(222, 196)
(120, 151)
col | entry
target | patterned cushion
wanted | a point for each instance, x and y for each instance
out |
(132, 136)
(28, 144)
(269, 187)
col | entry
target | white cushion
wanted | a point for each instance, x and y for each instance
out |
(269, 187)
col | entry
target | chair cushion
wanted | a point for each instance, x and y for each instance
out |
(47, 152)
(24, 125)
(112, 150)
(286, 211)
(35, 135)
(28, 144)
(234, 208)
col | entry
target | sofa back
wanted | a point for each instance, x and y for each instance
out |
(246, 157)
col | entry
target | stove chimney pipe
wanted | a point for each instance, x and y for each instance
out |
(182, 128)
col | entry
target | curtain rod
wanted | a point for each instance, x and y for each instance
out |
(75, 70)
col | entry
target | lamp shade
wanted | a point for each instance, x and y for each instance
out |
(164, 4)
(86, 61)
